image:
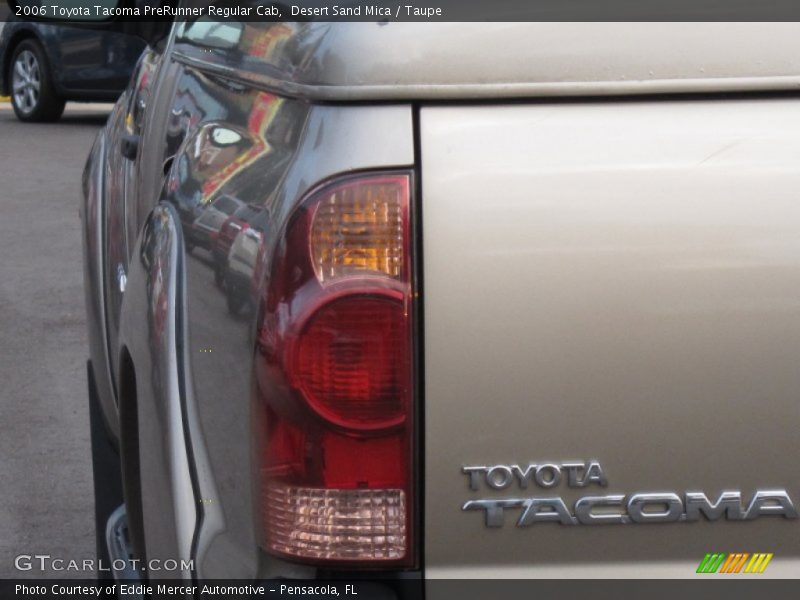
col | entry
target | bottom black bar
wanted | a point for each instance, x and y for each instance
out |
(466, 589)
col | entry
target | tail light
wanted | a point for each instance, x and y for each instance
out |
(334, 378)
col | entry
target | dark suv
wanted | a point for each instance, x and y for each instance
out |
(43, 65)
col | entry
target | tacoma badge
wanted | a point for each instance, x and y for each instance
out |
(639, 507)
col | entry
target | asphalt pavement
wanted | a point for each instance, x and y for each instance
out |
(46, 499)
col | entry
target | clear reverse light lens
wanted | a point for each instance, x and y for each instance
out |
(336, 524)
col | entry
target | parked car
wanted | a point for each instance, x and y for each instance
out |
(205, 228)
(240, 265)
(605, 219)
(44, 65)
(233, 225)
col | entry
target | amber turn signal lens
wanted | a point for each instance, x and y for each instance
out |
(358, 229)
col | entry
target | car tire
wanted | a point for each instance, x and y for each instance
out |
(219, 276)
(33, 93)
(235, 300)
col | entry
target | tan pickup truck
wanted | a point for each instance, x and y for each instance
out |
(522, 300)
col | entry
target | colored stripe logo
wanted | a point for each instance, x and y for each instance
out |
(737, 562)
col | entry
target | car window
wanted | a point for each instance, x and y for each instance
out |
(226, 205)
(210, 33)
(246, 213)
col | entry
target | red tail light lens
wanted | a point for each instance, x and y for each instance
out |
(351, 361)
(334, 378)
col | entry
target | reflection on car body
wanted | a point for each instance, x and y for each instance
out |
(239, 280)
(206, 227)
